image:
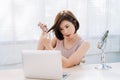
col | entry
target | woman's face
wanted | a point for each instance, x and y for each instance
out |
(67, 29)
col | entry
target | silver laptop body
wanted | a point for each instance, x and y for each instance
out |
(45, 64)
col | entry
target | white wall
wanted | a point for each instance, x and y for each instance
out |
(10, 53)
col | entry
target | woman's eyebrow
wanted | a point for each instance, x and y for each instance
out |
(66, 25)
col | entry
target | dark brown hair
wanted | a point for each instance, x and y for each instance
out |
(63, 15)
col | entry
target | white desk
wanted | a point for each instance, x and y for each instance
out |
(82, 72)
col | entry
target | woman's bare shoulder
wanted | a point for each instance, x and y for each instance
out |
(85, 44)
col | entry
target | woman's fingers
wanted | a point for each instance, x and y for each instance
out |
(43, 27)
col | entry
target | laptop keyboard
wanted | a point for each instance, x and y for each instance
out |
(65, 75)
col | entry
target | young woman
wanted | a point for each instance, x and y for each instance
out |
(71, 45)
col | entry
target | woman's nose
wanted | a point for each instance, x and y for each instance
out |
(65, 31)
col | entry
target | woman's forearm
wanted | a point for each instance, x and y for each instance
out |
(40, 46)
(41, 41)
(65, 62)
(48, 47)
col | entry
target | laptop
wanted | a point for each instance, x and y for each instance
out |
(45, 64)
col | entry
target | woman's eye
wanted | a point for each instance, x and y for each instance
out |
(66, 26)
(61, 29)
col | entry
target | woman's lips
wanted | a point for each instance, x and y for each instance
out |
(67, 35)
